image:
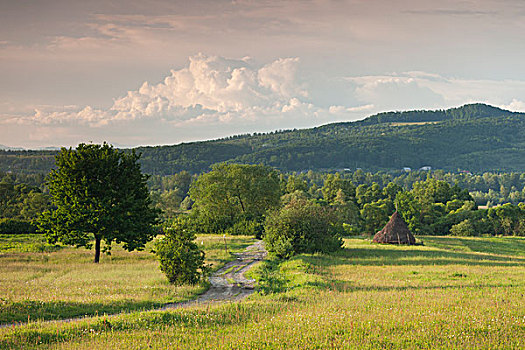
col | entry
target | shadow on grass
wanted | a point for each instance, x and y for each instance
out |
(405, 256)
(32, 310)
(438, 251)
(510, 246)
(346, 286)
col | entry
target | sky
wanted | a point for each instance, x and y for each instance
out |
(164, 72)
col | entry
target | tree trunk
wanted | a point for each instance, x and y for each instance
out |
(97, 250)
(242, 205)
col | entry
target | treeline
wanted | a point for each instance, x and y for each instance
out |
(476, 110)
(477, 138)
(432, 203)
(487, 189)
(363, 200)
(27, 162)
(21, 203)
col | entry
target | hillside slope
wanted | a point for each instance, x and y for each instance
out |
(474, 137)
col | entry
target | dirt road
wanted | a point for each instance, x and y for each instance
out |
(229, 282)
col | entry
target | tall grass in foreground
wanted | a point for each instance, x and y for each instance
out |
(38, 284)
(453, 293)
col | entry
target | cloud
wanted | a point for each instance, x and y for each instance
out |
(213, 96)
(416, 89)
(396, 92)
(213, 88)
(452, 12)
(515, 105)
(209, 93)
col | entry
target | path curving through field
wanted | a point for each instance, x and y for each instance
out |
(226, 284)
(229, 283)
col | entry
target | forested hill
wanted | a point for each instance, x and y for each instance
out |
(474, 137)
(471, 111)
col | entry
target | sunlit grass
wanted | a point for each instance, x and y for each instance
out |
(26, 243)
(452, 293)
(66, 283)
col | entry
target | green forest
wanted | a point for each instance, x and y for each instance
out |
(471, 156)
(363, 201)
(476, 138)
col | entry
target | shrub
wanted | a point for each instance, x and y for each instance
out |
(464, 228)
(269, 277)
(180, 258)
(301, 226)
(15, 226)
(350, 230)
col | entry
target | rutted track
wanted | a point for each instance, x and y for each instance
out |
(229, 283)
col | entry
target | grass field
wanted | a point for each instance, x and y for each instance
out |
(39, 281)
(451, 293)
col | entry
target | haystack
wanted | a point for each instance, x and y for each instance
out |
(395, 232)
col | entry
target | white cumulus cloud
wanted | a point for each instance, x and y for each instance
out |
(396, 92)
(210, 88)
(213, 96)
(422, 90)
(210, 92)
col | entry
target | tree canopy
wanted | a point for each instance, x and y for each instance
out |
(98, 192)
(234, 192)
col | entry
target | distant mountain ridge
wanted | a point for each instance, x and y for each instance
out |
(475, 110)
(475, 137)
(8, 148)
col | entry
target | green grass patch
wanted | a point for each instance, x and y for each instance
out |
(451, 293)
(228, 270)
(507, 246)
(30, 243)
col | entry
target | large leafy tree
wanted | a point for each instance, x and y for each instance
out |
(98, 191)
(335, 187)
(234, 192)
(375, 215)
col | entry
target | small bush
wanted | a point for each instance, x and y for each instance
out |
(180, 258)
(15, 226)
(302, 226)
(464, 228)
(269, 278)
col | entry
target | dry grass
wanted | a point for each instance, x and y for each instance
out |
(66, 283)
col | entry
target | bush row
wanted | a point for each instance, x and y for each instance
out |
(16, 226)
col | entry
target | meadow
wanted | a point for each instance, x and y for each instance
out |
(451, 293)
(43, 282)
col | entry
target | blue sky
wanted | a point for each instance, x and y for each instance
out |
(163, 72)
